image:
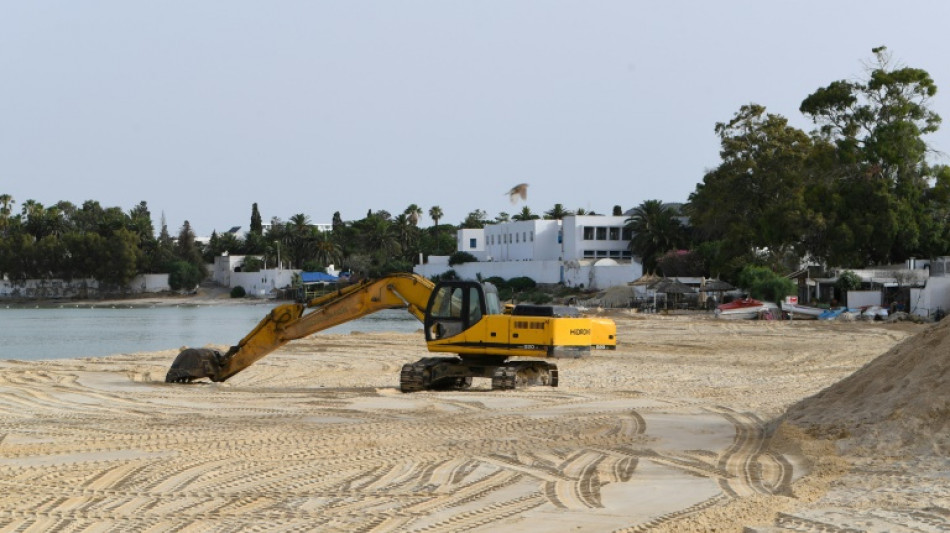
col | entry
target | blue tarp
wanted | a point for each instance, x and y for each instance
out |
(316, 277)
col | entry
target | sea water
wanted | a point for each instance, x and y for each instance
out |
(68, 331)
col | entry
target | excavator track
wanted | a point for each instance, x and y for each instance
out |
(518, 374)
(453, 373)
(434, 373)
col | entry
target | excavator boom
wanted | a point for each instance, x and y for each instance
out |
(290, 322)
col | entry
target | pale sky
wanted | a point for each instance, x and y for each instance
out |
(202, 108)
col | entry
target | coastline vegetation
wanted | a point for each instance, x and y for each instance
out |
(859, 190)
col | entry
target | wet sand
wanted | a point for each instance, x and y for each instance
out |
(679, 429)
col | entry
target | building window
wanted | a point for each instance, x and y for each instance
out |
(516, 238)
(471, 242)
(615, 234)
(601, 253)
(615, 254)
(588, 234)
(532, 235)
(627, 255)
(588, 254)
(626, 234)
(601, 233)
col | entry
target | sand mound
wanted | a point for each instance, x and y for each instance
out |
(898, 403)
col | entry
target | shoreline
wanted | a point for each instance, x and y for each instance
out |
(204, 297)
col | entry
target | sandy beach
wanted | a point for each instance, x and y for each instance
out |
(692, 424)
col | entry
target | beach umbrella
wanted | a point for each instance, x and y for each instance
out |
(672, 286)
(715, 285)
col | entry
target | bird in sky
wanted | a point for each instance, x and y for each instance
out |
(521, 190)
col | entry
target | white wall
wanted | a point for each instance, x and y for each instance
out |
(262, 284)
(936, 294)
(149, 283)
(466, 237)
(576, 245)
(863, 298)
(523, 241)
(597, 275)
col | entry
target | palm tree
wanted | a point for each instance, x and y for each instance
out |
(525, 214)
(655, 230)
(6, 208)
(326, 250)
(414, 212)
(435, 213)
(557, 212)
(380, 236)
(298, 239)
(407, 234)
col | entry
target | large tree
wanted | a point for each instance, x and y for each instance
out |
(883, 205)
(754, 201)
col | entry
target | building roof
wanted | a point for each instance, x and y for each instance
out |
(316, 277)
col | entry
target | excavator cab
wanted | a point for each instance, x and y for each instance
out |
(455, 306)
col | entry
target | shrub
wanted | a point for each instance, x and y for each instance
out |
(461, 257)
(183, 275)
(763, 284)
(522, 283)
(848, 281)
(498, 282)
(252, 264)
(238, 292)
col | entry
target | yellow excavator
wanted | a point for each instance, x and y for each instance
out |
(464, 318)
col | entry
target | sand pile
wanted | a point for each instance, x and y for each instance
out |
(899, 403)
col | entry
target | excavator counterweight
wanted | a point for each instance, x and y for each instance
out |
(463, 318)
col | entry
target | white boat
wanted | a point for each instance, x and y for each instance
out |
(799, 311)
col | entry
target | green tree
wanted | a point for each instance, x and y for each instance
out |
(184, 276)
(257, 226)
(414, 213)
(6, 211)
(187, 249)
(557, 212)
(121, 256)
(326, 250)
(880, 169)
(435, 213)
(755, 199)
(764, 284)
(475, 219)
(654, 231)
(525, 214)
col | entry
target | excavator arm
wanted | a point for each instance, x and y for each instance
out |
(292, 321)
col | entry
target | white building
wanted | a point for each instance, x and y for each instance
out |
(580, 250)
(227, 272)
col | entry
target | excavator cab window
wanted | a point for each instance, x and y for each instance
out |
(453, 308)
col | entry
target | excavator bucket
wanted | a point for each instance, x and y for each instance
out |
(195, 363)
